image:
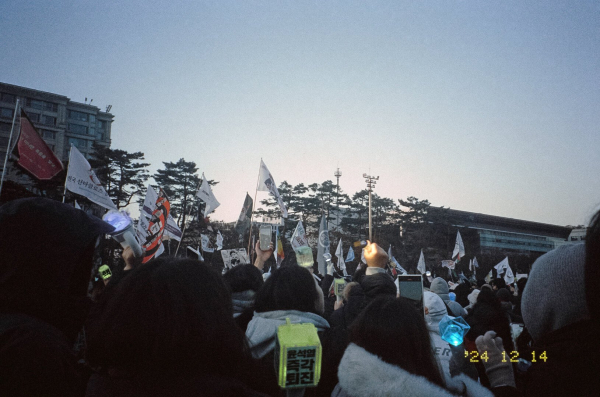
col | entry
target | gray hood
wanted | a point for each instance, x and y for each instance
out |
(440, 287)
(364, 374)
(262, 329)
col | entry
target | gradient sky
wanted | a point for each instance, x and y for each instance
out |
(490, 107)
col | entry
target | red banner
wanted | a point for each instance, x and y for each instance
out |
(34, 155)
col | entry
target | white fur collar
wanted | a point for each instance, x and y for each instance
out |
(363, 374)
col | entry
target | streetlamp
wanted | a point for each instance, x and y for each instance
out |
(371, 182)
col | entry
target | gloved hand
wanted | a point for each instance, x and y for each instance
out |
(499, 373)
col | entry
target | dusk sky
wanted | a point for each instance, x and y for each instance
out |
(490, 107)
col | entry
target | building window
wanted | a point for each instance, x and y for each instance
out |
(8, 98)
(80, 143)
(35, 117)
(8, 113)
(47, 134)
(92, 131)
(102, 124)
(92, 118)
(5, 126)
(100, 136)
(78, 115)
(79, 129)
(48, 120)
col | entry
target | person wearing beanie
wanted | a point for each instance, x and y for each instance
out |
(439, 286)
(557, 317)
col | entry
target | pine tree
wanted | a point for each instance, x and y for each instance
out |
(181, 182)
(122, 173)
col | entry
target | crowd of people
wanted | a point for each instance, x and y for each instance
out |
(177, 327)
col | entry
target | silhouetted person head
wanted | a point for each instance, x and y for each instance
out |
(169, 317)
(244, 278)
(388, 319)
(289, 288)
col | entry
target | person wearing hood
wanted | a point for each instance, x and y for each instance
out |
(439, 286)
(371, 366)
(46, 249)
(290, 293)
(435, 310)
(557, 315)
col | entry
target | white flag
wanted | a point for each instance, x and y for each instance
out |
(450, 264)
(299, 237)
(82, 180)
(488, 278)
(266, 183)
(471, 265)
(205, 194)
(395, 262)
(500, 267)
(475, 264)
(77, 205)
(172, 231)
(339, 253)
(509, 278)
(204, 240)
(459, 248)
(219, 241)
(323, 248)
(197, 252)
(421, 266)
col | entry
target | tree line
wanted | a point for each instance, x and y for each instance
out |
(407, 225)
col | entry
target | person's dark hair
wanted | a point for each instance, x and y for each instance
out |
(169, 317)
(290, 287)
(503, 295)
(592, 266)
(462, 292)
(498, 283)
(488, 315)
(244, 278)
(388, 319)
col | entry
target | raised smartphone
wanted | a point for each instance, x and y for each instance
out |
(411, 287)
(264, 237)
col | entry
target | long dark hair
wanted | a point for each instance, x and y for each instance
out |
(168, 317)
(388, 320)
(592, 266)
(290, 287)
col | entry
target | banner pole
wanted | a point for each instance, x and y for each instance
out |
(252, 214)
(67, 176)
(8, 151)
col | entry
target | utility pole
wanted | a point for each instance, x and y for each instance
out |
(371, 182)
(338, 174)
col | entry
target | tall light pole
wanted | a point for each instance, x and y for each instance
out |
(338, 174)
(371, 182)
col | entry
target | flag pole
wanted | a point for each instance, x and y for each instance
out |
(8, 151)
(67, 176)
(183, 231)
(252, 213)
